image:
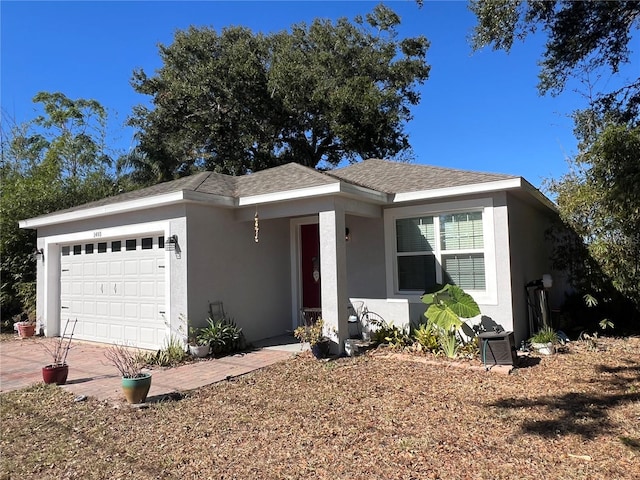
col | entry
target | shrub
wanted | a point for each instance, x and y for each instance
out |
(171, 355)
(223, 335)
(426, 336)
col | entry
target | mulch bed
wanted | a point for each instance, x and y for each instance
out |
(381, 415)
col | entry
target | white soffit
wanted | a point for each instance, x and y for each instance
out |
(318, 191)
(512, 183)
(124, 207)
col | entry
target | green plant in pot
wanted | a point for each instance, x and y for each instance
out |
(545, 340)
(314, 335)
(130, 363)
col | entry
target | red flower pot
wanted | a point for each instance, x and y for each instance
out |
(55, 374)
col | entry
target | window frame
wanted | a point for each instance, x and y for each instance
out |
(483, 205)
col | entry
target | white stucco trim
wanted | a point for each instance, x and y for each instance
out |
(485, 297)
(125, 206)
(509, 184)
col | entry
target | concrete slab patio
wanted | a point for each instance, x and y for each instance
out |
(21, 362)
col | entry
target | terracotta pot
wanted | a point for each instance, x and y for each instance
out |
(55, 374)
(136, 389)
(26, 330)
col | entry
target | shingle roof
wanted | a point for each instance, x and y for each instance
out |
(380, 175)
(290, 176)
(396, 177)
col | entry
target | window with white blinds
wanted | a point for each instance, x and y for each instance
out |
(440, 249)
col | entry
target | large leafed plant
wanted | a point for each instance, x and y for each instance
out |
(448, 306)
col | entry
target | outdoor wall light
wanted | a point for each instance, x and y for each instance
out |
(170, 243)
(347, 234)
(547, 281)
(39, 252)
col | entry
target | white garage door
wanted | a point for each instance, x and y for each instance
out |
(115, 288)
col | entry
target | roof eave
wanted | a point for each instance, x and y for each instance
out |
(337, 188)
(152, 201)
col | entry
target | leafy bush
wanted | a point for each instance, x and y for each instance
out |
(171, 355)
(223, 335)
(426, 335)
(390, 334)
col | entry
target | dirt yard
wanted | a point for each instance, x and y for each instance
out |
(573, 415)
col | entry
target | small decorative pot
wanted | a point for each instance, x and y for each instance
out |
(199, 351)
(136, 389)
(55, 374)
(544, 348)
(26, 330)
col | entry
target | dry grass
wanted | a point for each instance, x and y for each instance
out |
(575, 415)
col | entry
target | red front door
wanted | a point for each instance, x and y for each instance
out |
(310, 260)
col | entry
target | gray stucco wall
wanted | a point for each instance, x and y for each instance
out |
(365, 258)
(226, 264)
(530, 255)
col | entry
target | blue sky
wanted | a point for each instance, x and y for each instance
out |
(479, 111)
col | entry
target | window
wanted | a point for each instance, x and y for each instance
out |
(446, 248)
(160, 242)
(147, 243)
(130, 244)
(102, 247)
(65, 251)
(77, 249)
(88, 248)
(116, 246)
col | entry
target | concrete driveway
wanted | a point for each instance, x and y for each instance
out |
(21, 362)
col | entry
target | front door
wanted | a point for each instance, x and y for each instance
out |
(310, 262)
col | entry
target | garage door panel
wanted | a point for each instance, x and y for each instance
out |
(131, 267)
(115, 268)
(148, 266)
(131, 311)
(115, 310)
(89, 308)
(89, 269)
(117, 296)
(130, 289)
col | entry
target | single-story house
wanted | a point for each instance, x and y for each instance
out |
(268, 245)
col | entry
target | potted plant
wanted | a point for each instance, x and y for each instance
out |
(135, 382)
(26, 325)
(544, 340)
(58, 370)
(313, 335)
(198, 344)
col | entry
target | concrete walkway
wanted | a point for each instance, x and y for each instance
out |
(21, 362)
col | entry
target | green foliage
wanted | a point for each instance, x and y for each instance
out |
(311, 334)
(390, 334)
(599, 203)
(236, 102)
(56, 161)
(582, 38)
(545, 335)
(426, 335)
(449, 343)
(171, 355)
(448, 305)
(223, 335)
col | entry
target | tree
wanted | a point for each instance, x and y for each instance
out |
(583, 38)
(598, 199)
(238, 102)
(52, 162)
